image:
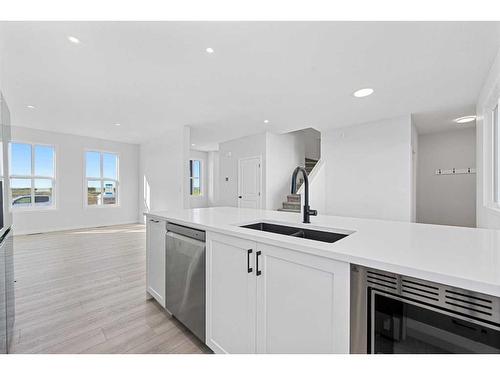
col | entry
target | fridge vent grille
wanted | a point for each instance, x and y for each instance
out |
(468, 301)
(474, 304)
(413, 288)
(384, 280)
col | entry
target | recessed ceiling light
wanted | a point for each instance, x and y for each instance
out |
(117, 124)
(210, 50)
(192, 144)
(74, 39)
(465, 119)
(361, 93)
(266, 121)
(30, 106)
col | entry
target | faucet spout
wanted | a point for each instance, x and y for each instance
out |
(307, 211)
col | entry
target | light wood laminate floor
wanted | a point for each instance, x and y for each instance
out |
(83, 291)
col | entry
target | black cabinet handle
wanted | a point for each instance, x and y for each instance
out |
(257, 254)
(239, 196)
(249, 269)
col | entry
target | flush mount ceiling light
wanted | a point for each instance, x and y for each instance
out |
(465, 119)
(266, 121)
(117, 124)
(361, 93)
(74, 39)
(210, 50)
(30, 106)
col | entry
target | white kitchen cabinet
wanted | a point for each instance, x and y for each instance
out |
(230, 309)
(290, 302)
(302, 303)
(155, 259)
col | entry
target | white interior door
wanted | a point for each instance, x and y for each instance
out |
(249, 182)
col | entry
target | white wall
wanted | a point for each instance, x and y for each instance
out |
(447, 199)
(162, 172)
(229, 153)
(70, 211)
(414, 174)
(213, 177)
(312, 143)
(201, 200)
(487, 215)
(369, 169)
(284, 153)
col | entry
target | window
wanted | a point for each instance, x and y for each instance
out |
(101, 183)
(496, 154)
(32, 175)
(195, 177)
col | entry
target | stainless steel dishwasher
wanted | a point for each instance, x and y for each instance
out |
(185, 277)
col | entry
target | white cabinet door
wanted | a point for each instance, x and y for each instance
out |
(302, 303)
(155, 255)
(231, 287)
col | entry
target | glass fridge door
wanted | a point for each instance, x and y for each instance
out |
(402, 326)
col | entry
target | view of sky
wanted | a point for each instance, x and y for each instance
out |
(195, 170)
(109, 165)
(20, 162)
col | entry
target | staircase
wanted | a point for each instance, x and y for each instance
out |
(292, 203)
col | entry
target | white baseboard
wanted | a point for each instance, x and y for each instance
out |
(66, 228)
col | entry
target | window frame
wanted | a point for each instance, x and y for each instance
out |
(32, 177)
(100, 179)
(199, 178)
(495, 163)
(493, 122)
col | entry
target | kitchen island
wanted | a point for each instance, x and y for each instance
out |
(272, 293)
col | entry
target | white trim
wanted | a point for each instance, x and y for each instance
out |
(33, 177)
(489, 162)
(101, 179)
(200, 178)
(67, 228)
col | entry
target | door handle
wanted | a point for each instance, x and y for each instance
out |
(154, 221)
(257, 254)
(249, 269)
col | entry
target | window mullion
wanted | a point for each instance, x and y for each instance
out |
(32, 175)
(101, 158)
(102, 191)
(32, 192)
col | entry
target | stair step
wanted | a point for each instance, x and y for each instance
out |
(293, 198)
(291, 206)
(288, 210)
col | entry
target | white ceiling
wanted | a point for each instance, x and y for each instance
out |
(149, 76)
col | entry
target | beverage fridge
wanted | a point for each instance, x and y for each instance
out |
(7, 299)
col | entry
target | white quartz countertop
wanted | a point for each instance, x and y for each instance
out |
(468, 258)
